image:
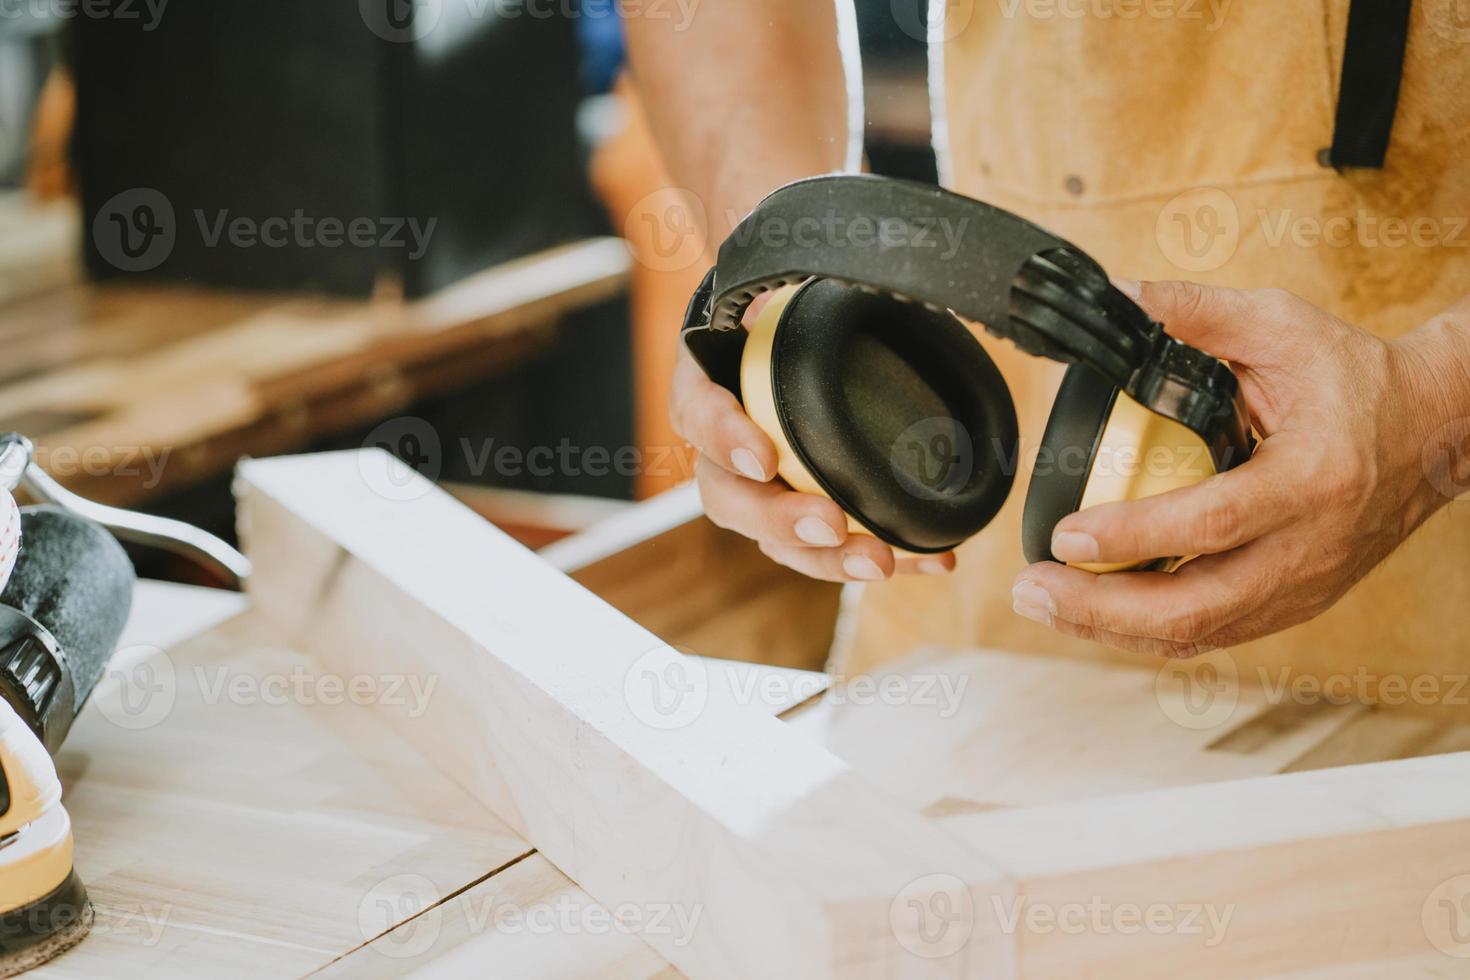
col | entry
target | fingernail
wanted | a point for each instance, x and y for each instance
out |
(1129, 288)
(861, 568)
(815, 531)
(747, 465)
(1032, 596)
(933, 566)
(1034, 613)
(1074, 546)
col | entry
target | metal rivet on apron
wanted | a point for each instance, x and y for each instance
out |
(1074, 184)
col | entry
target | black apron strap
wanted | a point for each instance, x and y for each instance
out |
(1372, 65)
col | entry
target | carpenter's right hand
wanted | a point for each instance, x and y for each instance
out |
(736, 471)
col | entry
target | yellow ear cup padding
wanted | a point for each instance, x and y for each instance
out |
(1100, 447)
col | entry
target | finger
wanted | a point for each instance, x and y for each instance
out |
(862, 559)
(1188, 607)
(926, 564)
(768, 512)
(1228, 323)
(1224, 512)
(1133, 644)
(712, 420)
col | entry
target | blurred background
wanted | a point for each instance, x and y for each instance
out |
(441, 227)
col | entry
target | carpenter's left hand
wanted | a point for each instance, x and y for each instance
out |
(1337, 482)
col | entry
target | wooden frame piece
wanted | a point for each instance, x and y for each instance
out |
(795, 865)
(799, 866)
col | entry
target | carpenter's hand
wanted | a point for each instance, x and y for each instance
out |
(1336, 484)
(736, 471)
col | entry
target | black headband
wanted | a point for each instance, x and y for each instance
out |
(926, 245)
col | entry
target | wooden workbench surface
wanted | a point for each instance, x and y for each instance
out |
(237, 815)
(133, 390)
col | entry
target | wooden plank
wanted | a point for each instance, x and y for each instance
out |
(1336, 868)
(686, 797)
(235, 814)
(974, 730)
(195, 379)
(527, 921)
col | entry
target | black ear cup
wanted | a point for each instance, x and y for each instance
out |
(897, 413)
(1080, 414)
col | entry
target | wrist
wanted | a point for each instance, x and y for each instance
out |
(1433, 380)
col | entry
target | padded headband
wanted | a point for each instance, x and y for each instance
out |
(925, 245)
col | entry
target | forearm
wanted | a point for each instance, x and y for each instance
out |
(745, 96)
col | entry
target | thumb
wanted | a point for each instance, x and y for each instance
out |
(1216, 319)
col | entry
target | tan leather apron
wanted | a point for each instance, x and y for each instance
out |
(1179, 139)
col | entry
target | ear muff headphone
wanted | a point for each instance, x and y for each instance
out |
(876, 395)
